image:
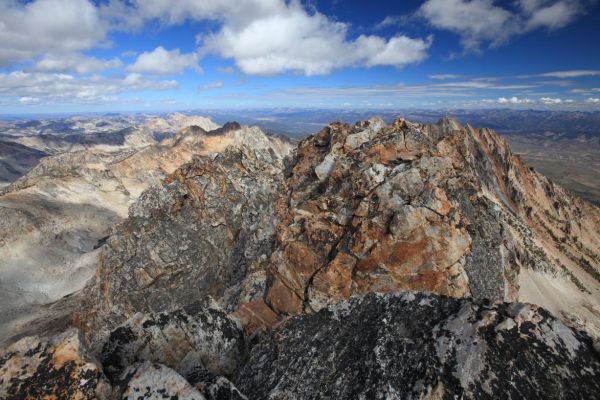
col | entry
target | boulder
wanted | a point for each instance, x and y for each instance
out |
(56, 368)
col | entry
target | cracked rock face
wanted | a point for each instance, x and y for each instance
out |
(439, 208)
(357, 209)
(376, 208)
(422, 346)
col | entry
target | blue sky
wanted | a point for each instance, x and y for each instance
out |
(162, 55)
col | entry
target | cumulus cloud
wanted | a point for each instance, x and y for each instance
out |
(309, 44)
(28, 30)
(163, 62)
(67, 88)
(74, 63)
(593, 100)
(482, 21)
(474, 20)
(266, 37)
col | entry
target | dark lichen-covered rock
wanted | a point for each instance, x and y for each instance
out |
(212, 386)
(55, 368)
(423, 346)
(197, 336)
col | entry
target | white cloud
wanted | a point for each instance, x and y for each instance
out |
(474, 21)
(514, 100)
(163, 62)
(28, 30)
(29, 100)
(483, 85)
(553, 16)
(551, 100)
(445, 76)
(74, 63)
(211, 85)
(392, 20)
(54, 87)
(571, 73)
(594, 100)
(266, 37)
(482, 21)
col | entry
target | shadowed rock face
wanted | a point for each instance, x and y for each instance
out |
(421, 346)
(198, 336)
(207, 230)
(16, 160)
(53, 219)
(409, 346)
(191, 353)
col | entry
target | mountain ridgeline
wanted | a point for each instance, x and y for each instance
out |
(369, 261)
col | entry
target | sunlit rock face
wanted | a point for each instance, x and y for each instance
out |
(58, 368)
(440, 208)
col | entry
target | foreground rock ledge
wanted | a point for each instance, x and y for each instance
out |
(394, 346)
(421, 346)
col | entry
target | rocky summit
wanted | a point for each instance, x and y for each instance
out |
(372, 261)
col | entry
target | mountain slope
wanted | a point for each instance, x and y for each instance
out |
(53, 219)
(15, 160)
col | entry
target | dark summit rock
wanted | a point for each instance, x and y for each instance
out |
(228, 127)
(422, 346)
